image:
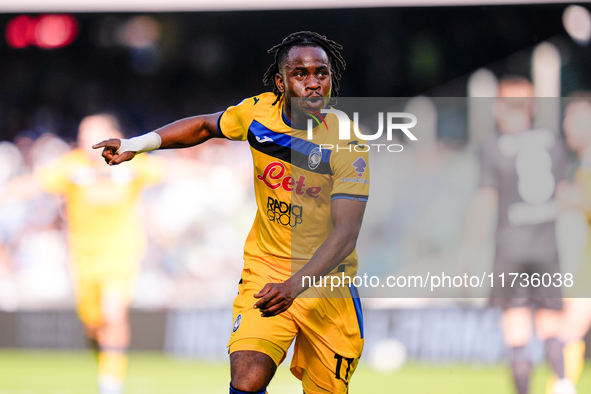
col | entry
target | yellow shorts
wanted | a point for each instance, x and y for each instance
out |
(91, 288)
(328, 334)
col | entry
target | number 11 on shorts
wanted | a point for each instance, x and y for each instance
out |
(339, 359)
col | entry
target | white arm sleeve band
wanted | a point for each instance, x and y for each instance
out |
(143, 143)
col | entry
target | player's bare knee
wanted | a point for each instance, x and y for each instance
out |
(251, 370)
(517, 338)
(548, 323)
(517, 326)
(116, 318)
(115, 312)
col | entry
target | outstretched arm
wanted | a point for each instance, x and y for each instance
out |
(347, 216)
(180, 134)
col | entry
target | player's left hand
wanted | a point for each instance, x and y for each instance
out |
(110, 154)
(275, 298)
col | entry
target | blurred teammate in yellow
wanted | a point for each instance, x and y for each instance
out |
(103, 220)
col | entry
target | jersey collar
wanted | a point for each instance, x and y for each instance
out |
(288, 122)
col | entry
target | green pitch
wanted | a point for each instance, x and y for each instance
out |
(51, 372)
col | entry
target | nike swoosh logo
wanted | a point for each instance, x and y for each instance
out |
(256, 100)
(264, 139)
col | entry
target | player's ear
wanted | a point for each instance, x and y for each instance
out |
(279, 82)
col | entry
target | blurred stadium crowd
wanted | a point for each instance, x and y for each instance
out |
(151, 70)
(196, 221)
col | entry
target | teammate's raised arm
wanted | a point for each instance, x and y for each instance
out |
(180, 134)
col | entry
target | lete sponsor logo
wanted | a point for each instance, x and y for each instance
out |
(274, 177)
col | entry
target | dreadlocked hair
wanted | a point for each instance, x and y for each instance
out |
(306, 39)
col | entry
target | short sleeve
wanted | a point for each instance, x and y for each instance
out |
(489, 175)
(53, 177)
(350, 173)
(233, 123)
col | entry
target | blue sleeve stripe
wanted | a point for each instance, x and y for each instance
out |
(343, 198)
(351, 197)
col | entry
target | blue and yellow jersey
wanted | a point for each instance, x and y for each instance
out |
(295, 180)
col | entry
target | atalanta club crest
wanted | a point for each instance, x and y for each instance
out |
(314, 158)
(237, 323)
